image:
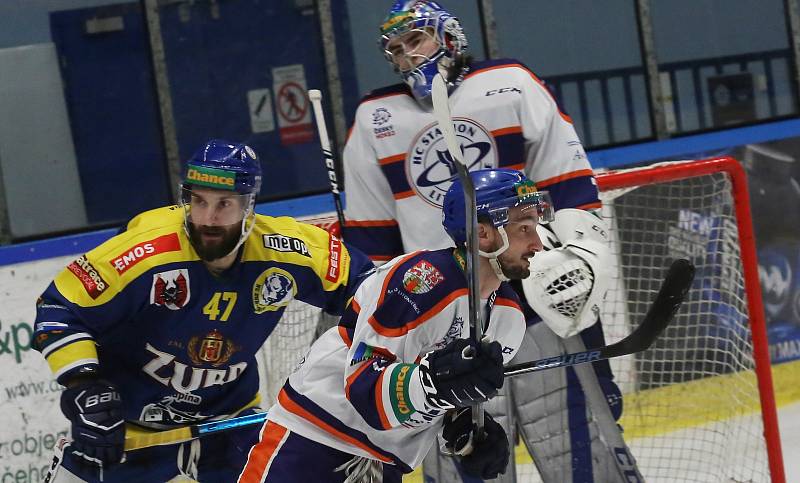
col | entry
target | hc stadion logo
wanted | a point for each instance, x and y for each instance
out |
(431, 170)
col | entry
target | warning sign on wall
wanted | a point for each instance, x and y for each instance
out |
(292, 105)
(259, 102)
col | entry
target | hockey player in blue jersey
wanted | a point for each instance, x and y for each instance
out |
(397, 169)
(159, 326)
(371, 395)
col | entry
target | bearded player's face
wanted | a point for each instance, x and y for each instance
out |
(214, 221)
(523, 241)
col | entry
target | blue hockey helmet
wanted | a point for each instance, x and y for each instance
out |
(496, 190)
(429, 17)
(224, 165)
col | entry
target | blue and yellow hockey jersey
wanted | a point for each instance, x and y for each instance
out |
(179, 342)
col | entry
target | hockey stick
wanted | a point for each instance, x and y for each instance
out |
(193, 431)
(669, 299)
(315, 96)
(441, 111)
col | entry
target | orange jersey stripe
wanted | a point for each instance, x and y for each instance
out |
(261, 455)
(345, 337)
(368, 223)
(379, 402)
(295, 408)
(507, 303)
(404, 194)
(392, 159)
(507, 130)
(399, 331)
(564, 177)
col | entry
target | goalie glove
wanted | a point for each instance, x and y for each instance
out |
(568, 283)
(461, 374)
(485, 458)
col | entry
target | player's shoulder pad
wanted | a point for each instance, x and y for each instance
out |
(398, 89)
(286, 239)
(152, 238)
(417, 288)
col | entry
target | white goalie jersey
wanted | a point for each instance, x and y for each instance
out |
(397, 169)
(357, 389)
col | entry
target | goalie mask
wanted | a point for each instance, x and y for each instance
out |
(218, 194)
(421, 39)
(496, 192)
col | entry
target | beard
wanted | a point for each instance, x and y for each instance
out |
(210, 250)
(514, 271)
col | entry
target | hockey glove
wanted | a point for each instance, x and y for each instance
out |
(461, 374)
(485, 458)
(98, 426)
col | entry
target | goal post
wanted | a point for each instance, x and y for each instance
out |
(700, 210)
(699, 405)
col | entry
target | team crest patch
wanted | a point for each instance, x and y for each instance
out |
(170, 289)
(430, 169)
(212, 349)
(422, 277)
(273, 290)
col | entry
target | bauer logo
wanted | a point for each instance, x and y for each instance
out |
(273, 290)
(430, 169)
(282, 243)
(88, 276)
(128, 259)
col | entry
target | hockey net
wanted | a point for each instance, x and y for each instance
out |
(698, 405)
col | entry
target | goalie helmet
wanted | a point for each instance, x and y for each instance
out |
(428, 17)
(496, 190)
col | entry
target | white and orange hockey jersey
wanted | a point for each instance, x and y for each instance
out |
(355, 389)
(397, 169)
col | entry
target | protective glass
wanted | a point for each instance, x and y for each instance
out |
(536, 208)
(211, 207)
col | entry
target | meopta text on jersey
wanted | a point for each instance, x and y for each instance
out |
(177, 341)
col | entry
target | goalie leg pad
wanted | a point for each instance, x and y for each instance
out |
(554, 419)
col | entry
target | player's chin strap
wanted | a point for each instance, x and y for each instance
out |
(492, 256)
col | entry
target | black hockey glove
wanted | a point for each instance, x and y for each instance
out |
(98, 425)
(485, 458)
(462, 374)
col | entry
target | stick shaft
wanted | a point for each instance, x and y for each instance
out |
(441, 110)
(330, 161)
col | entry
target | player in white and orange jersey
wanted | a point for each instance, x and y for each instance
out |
(371, 395)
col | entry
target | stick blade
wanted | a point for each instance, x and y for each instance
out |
(670, 296)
